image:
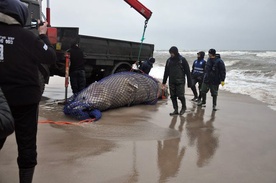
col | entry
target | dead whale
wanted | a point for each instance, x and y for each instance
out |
(117, 90)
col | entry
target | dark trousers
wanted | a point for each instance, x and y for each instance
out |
(177, 91)
(194, 81)
(77, 80)
(214, 92)
(25, 119)
(2, 141)
(213, 88)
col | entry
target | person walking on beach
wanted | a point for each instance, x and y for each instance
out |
(77, 71)
(176, 69)
(21, 52)
(215, 74)
(197, 75)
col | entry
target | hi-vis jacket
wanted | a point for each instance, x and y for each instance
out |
(198, 68)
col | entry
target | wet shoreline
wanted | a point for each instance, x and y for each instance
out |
(144, 144)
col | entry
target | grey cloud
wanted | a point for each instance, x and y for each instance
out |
(189, 24)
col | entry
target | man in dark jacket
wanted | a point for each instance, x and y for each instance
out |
(77, 72)
(146, 66)
(21, 52)
(215, 73)
(6, 119)
(197, 75)
(176, 68)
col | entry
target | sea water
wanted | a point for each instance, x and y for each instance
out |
(251, 73)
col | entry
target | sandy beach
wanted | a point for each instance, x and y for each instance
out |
(144, 144)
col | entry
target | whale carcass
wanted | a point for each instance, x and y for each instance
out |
(117, 90)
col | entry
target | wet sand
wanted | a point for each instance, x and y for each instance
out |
(144, 144)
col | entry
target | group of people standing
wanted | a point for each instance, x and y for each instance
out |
(208, 74)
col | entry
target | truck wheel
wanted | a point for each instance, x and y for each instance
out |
(41, 82)
(121, 67)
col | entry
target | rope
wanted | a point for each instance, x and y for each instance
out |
(67, 122)
(139, 70)
(142, 39)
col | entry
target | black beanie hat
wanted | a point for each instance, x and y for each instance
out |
(174, 50)
(152, 60)
(212, 51)
(15, 9)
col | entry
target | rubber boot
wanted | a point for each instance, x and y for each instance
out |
(183, 109)
(199, 91)
(194, 92)
(26, 175)
(199, 97)
(214, 103)
(203, 102)
(2, 142)
(175, 106)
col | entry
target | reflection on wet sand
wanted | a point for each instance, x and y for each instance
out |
(69, 139)
(202, 133)
(170, 155)
(170, 152)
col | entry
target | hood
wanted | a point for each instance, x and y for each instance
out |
(151, 60)
(174, 50)
(15, 9)
(201, 55)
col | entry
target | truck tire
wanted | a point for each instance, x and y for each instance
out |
(121, 67)
(41, 82)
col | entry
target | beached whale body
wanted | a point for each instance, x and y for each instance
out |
(117, 90)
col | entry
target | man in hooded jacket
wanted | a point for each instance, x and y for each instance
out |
(176, 69)
(147, 65)
(197, 75)
(21, 52)
(214, 75)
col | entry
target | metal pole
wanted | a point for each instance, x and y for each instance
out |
(67, 60)
(48, 13)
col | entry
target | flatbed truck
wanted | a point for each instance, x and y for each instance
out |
(103, 56)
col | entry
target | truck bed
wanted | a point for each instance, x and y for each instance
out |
(104, 56)
(98, 48)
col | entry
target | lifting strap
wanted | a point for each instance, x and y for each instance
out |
(142, 39)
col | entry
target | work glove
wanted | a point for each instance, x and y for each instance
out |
(222, 83)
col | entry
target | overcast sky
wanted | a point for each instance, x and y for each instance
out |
(187, 24)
